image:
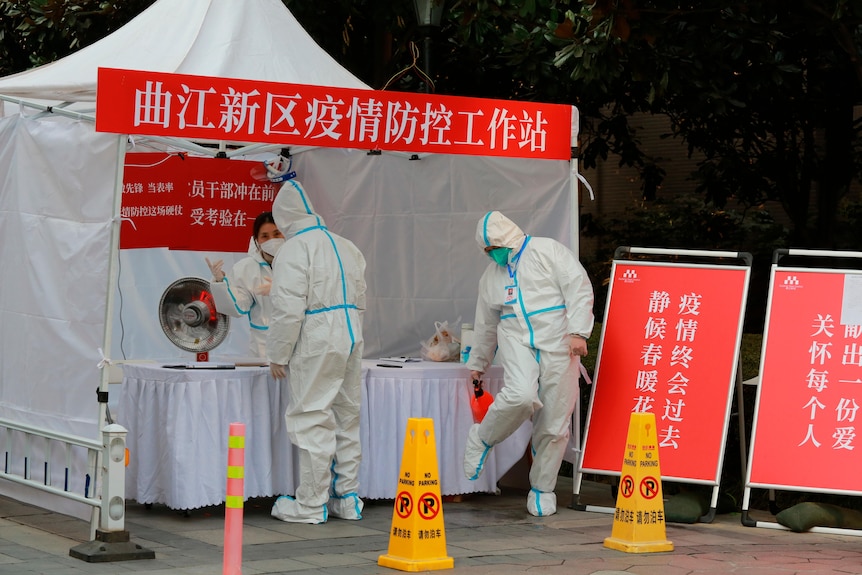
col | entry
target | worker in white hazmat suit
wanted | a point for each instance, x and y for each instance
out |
(318, 298)
(535, 307)
(244, 292)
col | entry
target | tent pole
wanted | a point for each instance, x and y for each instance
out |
(51, 109)
(179, 144)
(254, 148)
(109, 304)
(575, 224)
(109, 539)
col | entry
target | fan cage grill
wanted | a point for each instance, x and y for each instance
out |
(188, 316)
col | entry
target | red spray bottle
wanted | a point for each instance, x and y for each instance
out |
(480, 402)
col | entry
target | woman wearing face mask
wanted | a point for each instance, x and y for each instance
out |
(245, 290)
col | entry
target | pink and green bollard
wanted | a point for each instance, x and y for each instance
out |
(234, 500)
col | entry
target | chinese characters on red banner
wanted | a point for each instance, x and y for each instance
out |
(186, 203)
(825, 337)
(669, 347)
(200, 107)
(673, 353)
(810, 389)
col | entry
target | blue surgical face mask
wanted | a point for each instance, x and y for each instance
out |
(500, 255)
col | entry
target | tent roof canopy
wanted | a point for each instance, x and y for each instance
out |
(251, 39)
(257, 40)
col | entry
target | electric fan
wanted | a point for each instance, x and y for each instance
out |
(188, 316)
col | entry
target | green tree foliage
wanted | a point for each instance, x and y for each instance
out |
(765, 90)
(492, 49)
(687, 222)
(368, 37)
(36, 32)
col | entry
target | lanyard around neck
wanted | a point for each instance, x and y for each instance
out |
(515, 260)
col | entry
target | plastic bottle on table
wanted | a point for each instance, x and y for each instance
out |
(466, 341)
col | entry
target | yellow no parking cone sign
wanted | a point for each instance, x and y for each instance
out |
(639, 525)
(417, 540)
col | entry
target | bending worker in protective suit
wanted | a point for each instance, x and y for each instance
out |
(535, 306)
(318, 298)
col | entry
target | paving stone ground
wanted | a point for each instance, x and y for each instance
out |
(485, 534)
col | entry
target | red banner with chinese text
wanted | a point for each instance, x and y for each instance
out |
(810, 383)
(208, 108)
(669, 346)
(188, 203)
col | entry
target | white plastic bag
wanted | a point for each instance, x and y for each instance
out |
(441, 346)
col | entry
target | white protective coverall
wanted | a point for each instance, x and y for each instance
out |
(551, 298)
(238, 295)
(318, 297)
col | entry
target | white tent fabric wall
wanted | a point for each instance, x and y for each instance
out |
(415, 221)
(48, 357)
(57, 179)
(144, 274)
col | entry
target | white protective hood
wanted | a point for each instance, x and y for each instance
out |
(249, 39)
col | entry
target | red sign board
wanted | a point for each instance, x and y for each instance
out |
(668, 347)
(208, 108)
(804, 433)
(187, 203)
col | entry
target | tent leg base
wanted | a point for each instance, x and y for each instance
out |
(110, 546)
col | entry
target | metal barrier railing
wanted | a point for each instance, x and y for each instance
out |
(20, 452)
(26, 445)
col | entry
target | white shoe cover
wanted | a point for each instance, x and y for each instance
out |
(475, 454)
(347, 506)
(541, 504)
(289, 509)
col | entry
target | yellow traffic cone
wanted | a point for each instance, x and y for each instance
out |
(417, 540)
(639, 525)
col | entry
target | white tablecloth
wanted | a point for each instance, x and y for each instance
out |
(178, 422)
(440, 391)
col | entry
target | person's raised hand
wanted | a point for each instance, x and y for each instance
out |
(265, 287)
(216, 269)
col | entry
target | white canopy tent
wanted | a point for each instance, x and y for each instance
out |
(64, 294)
(253, 39)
